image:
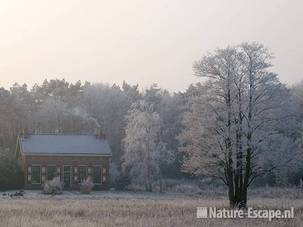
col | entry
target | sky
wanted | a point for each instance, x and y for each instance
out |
(140, 41)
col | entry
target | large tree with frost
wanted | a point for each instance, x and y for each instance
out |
(142, 157)
(232, 117)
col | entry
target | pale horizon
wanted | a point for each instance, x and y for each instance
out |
(140, 42)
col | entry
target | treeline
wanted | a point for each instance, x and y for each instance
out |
(149, 131)
(57, 106)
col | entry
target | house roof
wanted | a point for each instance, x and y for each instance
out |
(55, 144)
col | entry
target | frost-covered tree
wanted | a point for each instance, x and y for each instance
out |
(141, 144)
(232, 117)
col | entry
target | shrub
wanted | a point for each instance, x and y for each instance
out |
(54, 186)
(122, 181)
(119, 180)
(11, 175)
(86, 186)
(114, 174)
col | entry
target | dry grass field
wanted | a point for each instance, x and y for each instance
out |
(122, 209)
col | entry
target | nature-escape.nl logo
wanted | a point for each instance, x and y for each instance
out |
(221, 213)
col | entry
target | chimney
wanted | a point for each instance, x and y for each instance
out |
(25, 133)
(100, 134)
(21, 135)
(96, 132)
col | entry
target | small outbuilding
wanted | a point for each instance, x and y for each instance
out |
(71, 157)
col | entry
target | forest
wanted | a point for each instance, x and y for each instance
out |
(157, 135)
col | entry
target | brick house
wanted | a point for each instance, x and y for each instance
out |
(71, 157)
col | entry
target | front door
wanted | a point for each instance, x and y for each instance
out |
(67, 176)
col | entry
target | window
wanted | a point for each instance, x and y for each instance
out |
(82, 173)
(35, 175)
(96, 175)
(51, 172)
(67, 176)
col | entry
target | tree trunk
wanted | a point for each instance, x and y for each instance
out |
(228, 144)
(239, 190)
(249, 150)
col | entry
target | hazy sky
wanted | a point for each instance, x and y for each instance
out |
(140, 41)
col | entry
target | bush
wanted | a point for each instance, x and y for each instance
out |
(86, 186)
(54, 186)
(295, 177)
(122, 181)
(114, 174)
(11, 175)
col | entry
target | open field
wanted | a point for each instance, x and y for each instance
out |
(137, 209)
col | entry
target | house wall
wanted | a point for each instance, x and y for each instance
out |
(59, 162)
